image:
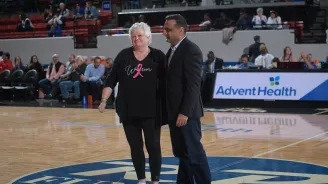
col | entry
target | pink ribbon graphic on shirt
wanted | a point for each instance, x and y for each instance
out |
(139, 67)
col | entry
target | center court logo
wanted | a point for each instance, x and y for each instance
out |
(223, 169)
(258, 90)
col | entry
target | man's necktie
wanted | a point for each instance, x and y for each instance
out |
(170, 57)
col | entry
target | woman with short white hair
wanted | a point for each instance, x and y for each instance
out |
(259, 20)
(140, 103)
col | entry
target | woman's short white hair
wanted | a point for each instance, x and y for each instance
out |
(141, 25)
(259, 10)
(79, 57)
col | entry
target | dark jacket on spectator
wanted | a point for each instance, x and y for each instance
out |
(254, 51)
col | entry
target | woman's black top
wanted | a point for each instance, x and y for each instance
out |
(141, 90)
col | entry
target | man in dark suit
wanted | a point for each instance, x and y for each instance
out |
(213, 63)
(184, 105)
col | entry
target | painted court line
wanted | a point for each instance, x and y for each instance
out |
(289, 145)
(322, 112)
(261, 154)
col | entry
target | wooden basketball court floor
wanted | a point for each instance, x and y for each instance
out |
(48, 145)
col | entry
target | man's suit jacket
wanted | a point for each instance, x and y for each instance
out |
(217, 65)
(183, 79)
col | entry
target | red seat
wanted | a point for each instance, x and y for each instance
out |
(11, 28)
(157, 29)
(69, 25)
(40, 26)
(36, 19)
(194, 27)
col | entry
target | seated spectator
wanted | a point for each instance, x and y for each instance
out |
(25, 25)
(308, 63)
(275, 62)
(108, 69)
(47, 15)
(6, 63)
(287, 57)
(244, 62)
(73, 81)
(63, 12)
(35, 65)
(206, 23)
(265, 59)
(222, 22)
(1, 53)
(90, 11)
(131, 20)
(274, 21)
(55, 69)
(78, 12)
(245, 21)
(91, 81)
(325, 65)
(19, 64)
(68, 67)
(55, 27)
(212, 63)
(259, 20)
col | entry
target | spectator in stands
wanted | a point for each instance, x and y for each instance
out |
(25, 24)
(222, 22)
(206, 24)
(90, 11)
(265, 59)
(6, 63)
(70, 62)
(245, 21)
(1, 53)
(244, 62)
(63, 12)
(275, 62)
(254, 49)
(259, 20)
(68, 67)
(48, 14)
(35, 65)
(55, 70)
(19, 64)
(131, 20)
(274, 21)
(73, 81)
(325, 65)
(55, 27)
(78, 12)
(287, 57)
(91, 80)
(308, 63)
(213, 63)
(108, 68)
(141, 18)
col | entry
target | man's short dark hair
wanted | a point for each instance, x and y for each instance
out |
(276, 60)
(244, 56)
(210, 53)
(180, 21)
(257, 38)
(97, 58)
(7, 54)
(1, 53)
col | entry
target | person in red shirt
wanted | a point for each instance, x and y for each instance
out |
(6, 64)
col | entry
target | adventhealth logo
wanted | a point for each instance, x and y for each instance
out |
(272, 90)
(274, 81)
